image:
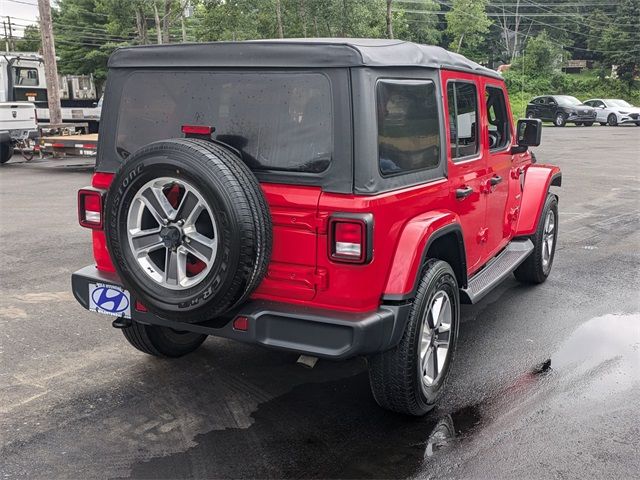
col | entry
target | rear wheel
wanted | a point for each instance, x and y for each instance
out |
(612, 120)
(579, 124)
(162, 341)
(6, 151)
(410, 377)
(537, 266)
(588, 124)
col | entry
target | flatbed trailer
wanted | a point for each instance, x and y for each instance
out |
(69, 145)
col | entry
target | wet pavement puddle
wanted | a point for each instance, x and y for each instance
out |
(335, 430)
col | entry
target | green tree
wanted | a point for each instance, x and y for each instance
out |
(541, 57)
(83, 40)
(418, 21)
(30, 41)
(467, 24)
(620, 42)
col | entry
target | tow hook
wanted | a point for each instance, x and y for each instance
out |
(121, 322)
(307, 361)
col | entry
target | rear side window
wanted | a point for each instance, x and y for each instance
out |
(498, 119)
(408, 128)
(462, 98)
(279, 121)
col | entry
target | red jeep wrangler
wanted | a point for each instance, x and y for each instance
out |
(327, 197)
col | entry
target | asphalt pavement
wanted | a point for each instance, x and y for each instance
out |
(545, 383)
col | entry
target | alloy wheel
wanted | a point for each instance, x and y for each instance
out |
(548, 239)
(435, 338)
(172, 233)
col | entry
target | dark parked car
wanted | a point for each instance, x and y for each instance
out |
(561, 109)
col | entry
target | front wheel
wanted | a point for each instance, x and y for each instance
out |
(560, 120)
(537, 266)
(612, 120)
(162, 341)
(410, 377)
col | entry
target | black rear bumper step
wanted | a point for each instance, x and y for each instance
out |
(312, 331)
(496, 270)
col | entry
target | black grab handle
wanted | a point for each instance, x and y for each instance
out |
(463, 192)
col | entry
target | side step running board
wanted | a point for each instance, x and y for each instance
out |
(496, 270)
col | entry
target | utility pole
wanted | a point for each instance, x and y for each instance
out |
(389, 20)
(6, 38)
(12, 45)
(50, 64)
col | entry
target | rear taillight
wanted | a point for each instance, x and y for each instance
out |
(351, 237)
(90, 208)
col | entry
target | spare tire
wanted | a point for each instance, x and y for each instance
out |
(188, 228)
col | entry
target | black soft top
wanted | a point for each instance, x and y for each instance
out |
(303, 53)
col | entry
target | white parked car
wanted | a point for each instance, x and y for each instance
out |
(613, 111)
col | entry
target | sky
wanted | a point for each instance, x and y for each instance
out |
(23, 11)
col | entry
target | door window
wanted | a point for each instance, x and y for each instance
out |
(408, 128)
(498, 119)
(462, 98)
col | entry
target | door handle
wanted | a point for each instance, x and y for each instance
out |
(495, 180)
(463, 192)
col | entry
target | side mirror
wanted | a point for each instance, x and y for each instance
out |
(528, 134)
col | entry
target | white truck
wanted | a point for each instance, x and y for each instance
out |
(22, 79)
(18, 128)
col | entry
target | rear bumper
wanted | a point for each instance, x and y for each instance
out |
(312, 331)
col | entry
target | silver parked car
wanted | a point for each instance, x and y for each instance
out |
(613, 111)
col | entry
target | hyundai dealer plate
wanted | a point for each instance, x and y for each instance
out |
(110, 300)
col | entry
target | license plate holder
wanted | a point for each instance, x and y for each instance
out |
(109, 300)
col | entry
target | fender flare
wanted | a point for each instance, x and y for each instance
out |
(411, 251)
(537, 180)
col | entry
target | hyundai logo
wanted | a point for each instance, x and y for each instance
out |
(110, 299)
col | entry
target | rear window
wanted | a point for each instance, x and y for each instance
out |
(279, 121)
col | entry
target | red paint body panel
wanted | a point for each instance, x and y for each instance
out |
(292, 271)
(537, 180)
(412, 243)
(360, 287)
(470, 173)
